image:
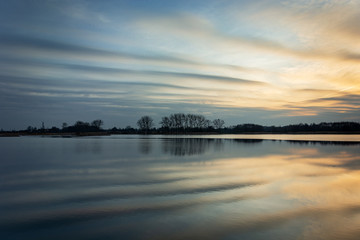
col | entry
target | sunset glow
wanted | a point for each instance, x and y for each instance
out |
(266, 62)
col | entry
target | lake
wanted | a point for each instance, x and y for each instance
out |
(165, 187)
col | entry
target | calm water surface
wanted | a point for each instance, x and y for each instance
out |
(159, 187)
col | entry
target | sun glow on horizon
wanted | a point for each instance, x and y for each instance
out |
(297, 60)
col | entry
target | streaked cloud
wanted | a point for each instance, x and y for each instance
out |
(270, 62)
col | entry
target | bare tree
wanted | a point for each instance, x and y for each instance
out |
(179, 120)
(218, 123)
(200, 121)
(145, 123)
(184, 122)
(207, 123)
(165, 122)
(97, 123)
(191, 120)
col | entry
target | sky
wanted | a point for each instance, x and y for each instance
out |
(244, 61)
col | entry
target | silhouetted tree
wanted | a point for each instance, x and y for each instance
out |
(30, 129)
(165, 123)
(42, 127)
(191, 120)
(218, 123)
(178, 121)
(248, 127)
(207, 123)
(181, 123)
(200, 121)
(97, 123)
(80, 126)
(145, 123)
(54, 129)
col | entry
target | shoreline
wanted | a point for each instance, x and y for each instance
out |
(70, 134)
(84, 134)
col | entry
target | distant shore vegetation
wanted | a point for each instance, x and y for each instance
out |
(180, 123)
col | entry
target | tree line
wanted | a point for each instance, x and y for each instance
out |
(77, 127)
(180, 123)
(323, 127)
(192, 123)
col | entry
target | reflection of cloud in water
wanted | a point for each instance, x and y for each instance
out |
(83, 147)
(246, 189)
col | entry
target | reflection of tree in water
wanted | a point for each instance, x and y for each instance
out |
(190, 146)
(197, 146)
(247, 141)
(145, 145)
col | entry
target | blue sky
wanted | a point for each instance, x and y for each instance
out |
(265, 62)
